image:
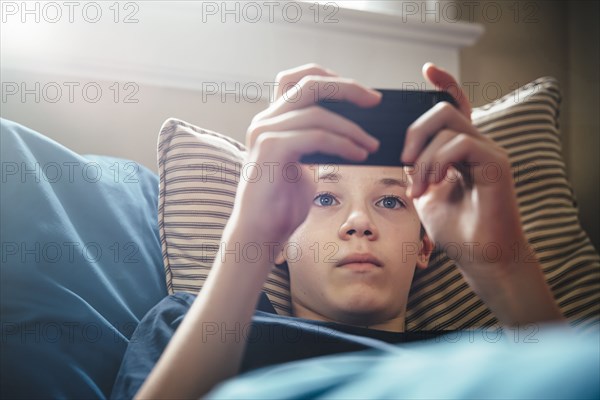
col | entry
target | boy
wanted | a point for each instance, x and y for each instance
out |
(371, 216)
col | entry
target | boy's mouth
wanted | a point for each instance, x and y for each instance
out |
(358, 260)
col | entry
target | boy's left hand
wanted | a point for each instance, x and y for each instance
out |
(462, 186)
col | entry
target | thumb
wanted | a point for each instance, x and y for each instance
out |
(443, 80)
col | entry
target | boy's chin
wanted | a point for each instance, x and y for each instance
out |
(361, 306)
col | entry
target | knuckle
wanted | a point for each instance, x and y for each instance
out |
(411, 132)
(446, 134)
(314, 65)
(250, 137)
(316, 113)
(464, 139)
(313, 68)
(255, 128)
(304, 70)
(322, 135)
(501, 153)
(282, 75)
(252, 130)
(259, 116)
(267, 141)
(249, 131)
(308, 81)
(252, 124)
(445, 107)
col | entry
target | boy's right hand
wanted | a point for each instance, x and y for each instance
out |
(271, 206)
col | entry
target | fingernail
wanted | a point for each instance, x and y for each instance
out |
(374, 143)
(405, 153)
(377, 93)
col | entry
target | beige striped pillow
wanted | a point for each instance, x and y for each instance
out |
(199, 171)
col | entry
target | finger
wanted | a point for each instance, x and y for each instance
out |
(314, 117)
(313, 88)
(472, 157)
(290, 146)
(443, 80)
(426, 169)
(288, 78)
(453, 182)
(441, 116)
(447, 191)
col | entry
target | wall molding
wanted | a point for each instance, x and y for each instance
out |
(179, 45)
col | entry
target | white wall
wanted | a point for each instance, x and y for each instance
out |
(127, 130)
(173, 50)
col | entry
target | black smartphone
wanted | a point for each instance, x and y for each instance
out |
(388, 122)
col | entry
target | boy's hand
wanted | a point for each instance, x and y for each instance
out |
(462, 186)
(470, 206)
(273, 205)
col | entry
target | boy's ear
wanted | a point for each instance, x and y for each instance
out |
(424, 252)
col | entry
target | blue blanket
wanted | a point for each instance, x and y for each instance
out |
(81, 265)
(532, 362)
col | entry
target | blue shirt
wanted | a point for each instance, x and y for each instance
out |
(271, 339)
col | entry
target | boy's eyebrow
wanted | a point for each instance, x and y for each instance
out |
(334, 177)
(330, 177)
(393, 182)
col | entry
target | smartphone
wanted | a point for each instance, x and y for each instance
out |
(388, 122)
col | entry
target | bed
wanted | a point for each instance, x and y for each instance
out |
(84, 257)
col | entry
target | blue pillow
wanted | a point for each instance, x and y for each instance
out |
(81, 265)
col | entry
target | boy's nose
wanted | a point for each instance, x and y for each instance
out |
(358, 224)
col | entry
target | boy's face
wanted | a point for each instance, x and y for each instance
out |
(358, 211)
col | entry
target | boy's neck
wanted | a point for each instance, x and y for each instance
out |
(396, 324)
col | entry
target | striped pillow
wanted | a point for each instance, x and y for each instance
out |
(199, 172)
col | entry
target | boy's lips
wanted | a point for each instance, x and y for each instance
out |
(362, 258)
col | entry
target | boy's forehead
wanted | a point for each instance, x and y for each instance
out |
(363, 175)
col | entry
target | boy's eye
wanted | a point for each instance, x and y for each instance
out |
(391, 202)
(325, 200)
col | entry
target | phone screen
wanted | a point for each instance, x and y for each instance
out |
(388, 122)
